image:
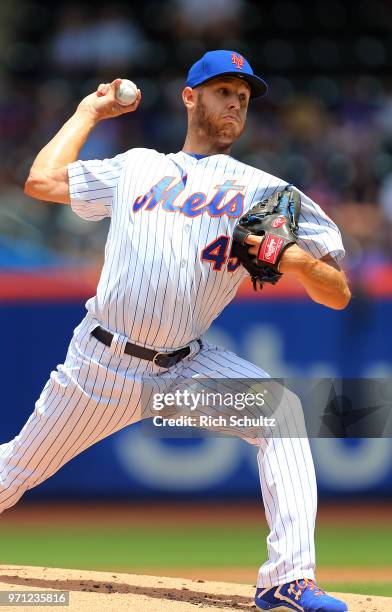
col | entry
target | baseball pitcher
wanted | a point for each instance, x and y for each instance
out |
(185, 229)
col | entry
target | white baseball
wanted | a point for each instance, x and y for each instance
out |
(126, 93)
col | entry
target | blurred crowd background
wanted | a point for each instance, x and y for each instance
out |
(326, 124)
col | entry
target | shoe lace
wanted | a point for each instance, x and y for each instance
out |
(306, 583)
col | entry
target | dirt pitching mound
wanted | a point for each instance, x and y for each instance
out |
(114, 592)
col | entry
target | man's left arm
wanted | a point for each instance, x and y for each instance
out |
(322, 278)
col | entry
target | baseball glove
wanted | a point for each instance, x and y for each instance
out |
(276, 219)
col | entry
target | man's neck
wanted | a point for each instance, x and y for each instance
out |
(203, 147)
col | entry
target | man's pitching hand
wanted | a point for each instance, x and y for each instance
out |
(102, 104)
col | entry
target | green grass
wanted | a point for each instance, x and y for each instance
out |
(355, 546)
(136, 548)
(201, 546)
(365, 588)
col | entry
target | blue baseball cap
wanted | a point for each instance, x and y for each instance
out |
(225, 63)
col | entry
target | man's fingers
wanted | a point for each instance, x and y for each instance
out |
(253, 249)
(254, 243)
(109, 106)
(253, 239)
(103, 89)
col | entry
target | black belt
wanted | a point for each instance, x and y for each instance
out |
(163, 360)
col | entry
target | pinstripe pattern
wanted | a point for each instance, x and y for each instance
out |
(97, 392)
(156, 290)
(287, 476)
(154, 287)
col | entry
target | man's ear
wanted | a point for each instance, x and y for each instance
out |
(189, 98)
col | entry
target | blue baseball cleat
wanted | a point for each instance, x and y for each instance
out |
(301, 596)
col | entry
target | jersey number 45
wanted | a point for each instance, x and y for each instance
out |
(216, 253)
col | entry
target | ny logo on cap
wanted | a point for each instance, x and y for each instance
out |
(237, 60)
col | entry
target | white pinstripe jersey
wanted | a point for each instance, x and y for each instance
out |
(167, 272)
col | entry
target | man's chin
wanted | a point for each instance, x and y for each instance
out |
(228, 136)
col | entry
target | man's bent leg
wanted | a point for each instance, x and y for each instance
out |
(92, 395)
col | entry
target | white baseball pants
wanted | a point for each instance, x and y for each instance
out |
(99, 390)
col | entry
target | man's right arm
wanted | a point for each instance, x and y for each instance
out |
(48, 178)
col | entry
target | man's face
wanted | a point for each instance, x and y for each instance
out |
(220, 109)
